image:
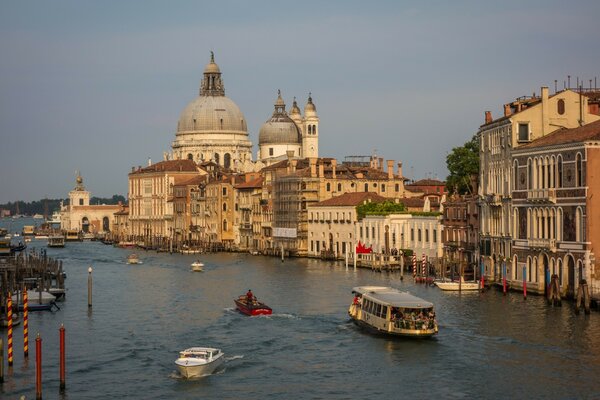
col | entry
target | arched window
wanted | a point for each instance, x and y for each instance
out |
(515, 175)
(190, 156)
(339, 187)
(224, 206)
(217, 158)
(578, 170)
(224, 225)
(515, 267)
(328, 187)
(529, 174)
(366, 187)
(528, 274)
(227, 160)
(559, 172)
(314, 129)
(559, 225)
(579, 236)
(560, 106)
(309, 129)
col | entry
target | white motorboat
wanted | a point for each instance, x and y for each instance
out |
(133, 259)
(457, 285)
(196, 362)
(197, 266)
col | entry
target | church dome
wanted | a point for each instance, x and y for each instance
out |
(280, 128)
(212, 114)
(212, 111)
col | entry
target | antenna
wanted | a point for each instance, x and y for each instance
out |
(569, 81)
(555, 81)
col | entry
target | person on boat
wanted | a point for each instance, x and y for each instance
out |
(356, 300)
(249, 298)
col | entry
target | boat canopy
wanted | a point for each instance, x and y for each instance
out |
(391, 297)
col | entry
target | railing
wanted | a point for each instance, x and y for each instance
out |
(494, 199)
(542, 195)
(549, 244)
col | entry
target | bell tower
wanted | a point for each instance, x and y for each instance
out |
(310, 131)
(79, 196)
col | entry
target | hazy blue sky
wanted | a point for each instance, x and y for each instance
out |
(99, 86)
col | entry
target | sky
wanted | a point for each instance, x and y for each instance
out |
(98, 86)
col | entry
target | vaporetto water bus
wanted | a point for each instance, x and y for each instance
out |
(393, 312)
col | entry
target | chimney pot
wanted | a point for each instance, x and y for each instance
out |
(488, 117)
(390, 169)
(333, 168)
(507, 111)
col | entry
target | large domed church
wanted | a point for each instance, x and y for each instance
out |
(213, 128)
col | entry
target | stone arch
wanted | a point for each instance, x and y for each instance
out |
(570, 267)
(579, 234)
(515, 267)
(190, 156)
(227, 160)
(105, 224)
(544, 260)
(528, 273)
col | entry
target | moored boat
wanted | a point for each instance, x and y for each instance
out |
(197, 266)
(253, 307)
(56, 241)
(393, 312)
(196, 362)
(457, 285)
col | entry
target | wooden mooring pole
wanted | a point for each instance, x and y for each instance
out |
(89, 287)
(38, 367)
(62, 359)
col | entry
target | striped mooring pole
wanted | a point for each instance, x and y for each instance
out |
(414, 262)
(25, 324)
(10, 330)
(423, 265)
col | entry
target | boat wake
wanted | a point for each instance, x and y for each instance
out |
(227, 359)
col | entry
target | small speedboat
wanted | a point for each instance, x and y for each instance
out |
(196, 362)
(254, 308)
(133, 259)
(197, 266)
(457, 285)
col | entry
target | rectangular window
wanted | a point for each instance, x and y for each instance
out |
(373, 232)
(361, 233)
(523, 132)
(412, 234)
(224, 191)
(270, 151)
(427, 235)
(434, 236)
(419, 235)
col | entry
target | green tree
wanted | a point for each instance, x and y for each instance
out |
(462, 163)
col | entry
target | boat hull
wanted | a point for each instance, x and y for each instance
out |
(413, 333)
(257, 309)
(197, 371)
(455, 286)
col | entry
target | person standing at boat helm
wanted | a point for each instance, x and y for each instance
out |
(249, 298)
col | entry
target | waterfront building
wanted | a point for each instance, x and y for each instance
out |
(297, 184)
(248, 200)
(433, 189)
(292, 135)
(420, 232)
(212, 127)
(525, 120)
(189, 220)
(120, 229)
(79, 215)
(460, 237)
(221, 209)
(331, 230)
(151, 198)
(555, 199)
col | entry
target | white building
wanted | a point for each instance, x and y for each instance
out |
(420, 233)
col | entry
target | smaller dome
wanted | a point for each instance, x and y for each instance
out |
(309, 105)
(280, 128)
(295, 110)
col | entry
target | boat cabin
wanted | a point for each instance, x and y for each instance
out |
(391, 311)
(199, 353)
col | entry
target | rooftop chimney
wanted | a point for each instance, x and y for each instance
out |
(507, 111)
(390, 169)
(333, 165)
(313, 166)
(488, 117)
(321, 170)
(400, 169)
(380, 163)
(293, 164)
(149, 161)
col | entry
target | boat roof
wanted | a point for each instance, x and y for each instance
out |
(392, 297)
(200, 350)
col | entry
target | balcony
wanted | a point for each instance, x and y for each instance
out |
(541, 195)
(494, 199)
(547, 244)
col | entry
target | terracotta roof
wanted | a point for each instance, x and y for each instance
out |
(196, 180)
(427, 182)
(413, 201)
(351, 199)
(590, 131)
(254, 183)
(169, 166)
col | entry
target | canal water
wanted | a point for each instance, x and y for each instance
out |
(489, 345)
